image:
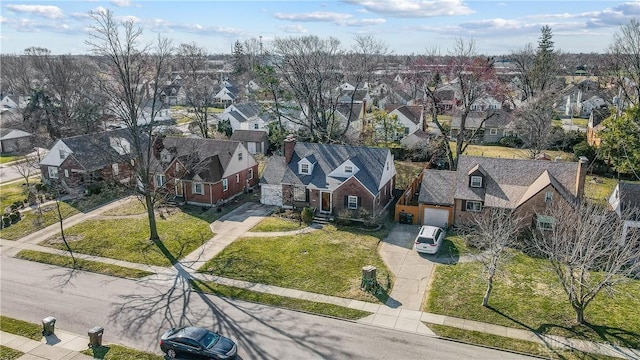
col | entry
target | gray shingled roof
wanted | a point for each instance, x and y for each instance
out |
(437, 187)
(498, 119)
(508, 180)
(248, 135)
(327, 157)
(629, 195)
(94, 151)
(207, 157)
(248, 109)
(412, 113)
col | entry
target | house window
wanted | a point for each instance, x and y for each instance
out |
(115, 169)
(250, 174)
(548, 196)
(197, 188)
(299, 193)
(475, 206)
(352, 202)
(348, 169)
(239, 156)
(160, 180)
(476, 181)
(545, 222)
(304, 169)
(237, 178)
(66, 172)
(256, 126)
(406, 131)
(63, 154)
(493, 131)
(53, 172)
(225, 185)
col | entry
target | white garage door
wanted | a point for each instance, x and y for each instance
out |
(271, 195)
(436, 217)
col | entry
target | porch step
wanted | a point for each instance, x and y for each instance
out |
(322, 219)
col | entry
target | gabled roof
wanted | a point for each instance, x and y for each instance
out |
(205, 158)
(95, 151)
(629, 194)
(510, 182)
(343, 109)
(437, 187)
(327, 158)
(411, 112)
(495, 119)
(6, 134)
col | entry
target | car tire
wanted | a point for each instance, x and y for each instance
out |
(171, 354)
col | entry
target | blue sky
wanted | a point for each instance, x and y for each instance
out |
(407, 26)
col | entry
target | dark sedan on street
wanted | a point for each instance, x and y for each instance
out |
(192, 342)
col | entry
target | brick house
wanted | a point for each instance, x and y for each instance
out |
(202, 171)
(329, 178)
(526, 186)
(78, 161)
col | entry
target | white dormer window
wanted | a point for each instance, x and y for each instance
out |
(240, 156)
(160, 180)
(348, 169)
(304, 169)
(63, 154)
(476, 181)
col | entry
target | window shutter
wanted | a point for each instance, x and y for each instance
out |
(359, 201)
(464, 205)
(306, 195)
(346, 201)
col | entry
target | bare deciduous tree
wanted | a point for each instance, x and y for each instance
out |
(624, 58)
(494, 230)
(131, 75)
(534, 124)
(199, 88)
(588, 252)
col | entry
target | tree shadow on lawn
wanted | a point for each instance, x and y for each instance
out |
(607, 334)
(167, 302)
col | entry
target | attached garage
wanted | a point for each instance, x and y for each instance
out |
(436, 216)
(271, 194)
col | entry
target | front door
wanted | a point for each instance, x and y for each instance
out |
(178, 188)
(326, 202)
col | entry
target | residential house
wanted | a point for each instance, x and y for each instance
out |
(588, 106)
(256, 141)
(332, 179)
(410, 116)
(203, 172)
(594, 125)
(525, 186)
(398, 97)
(8, 103)
(229, 93)
(447, 98)
(15, 141)
(489, 125)
(625, 201)
(78, 161)
(245, 116)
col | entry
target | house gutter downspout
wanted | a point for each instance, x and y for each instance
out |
(210, 195)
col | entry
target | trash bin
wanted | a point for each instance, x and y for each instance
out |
(95, 336)
(409, 218)
(48, 325)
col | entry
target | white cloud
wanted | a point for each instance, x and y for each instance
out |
(121, 3)
(414, 8)
(127, 18)
(332, 17)
(293, 29)
(48, 11)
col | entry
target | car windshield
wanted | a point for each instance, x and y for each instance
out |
(425, 240)
(209, 339)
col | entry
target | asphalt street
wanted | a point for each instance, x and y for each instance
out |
(136, 313)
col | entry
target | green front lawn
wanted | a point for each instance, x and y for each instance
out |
(326, 261)
(494, 151)
(4, 158)
(117, 352)
(279, 301)
(81, 264)
(598, 188)
(22, 328)
(9, 354)
(31, 221)
(273, 224)
(10, 193)
(527, 295)
(128, 238)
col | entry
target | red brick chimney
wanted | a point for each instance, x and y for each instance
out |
(289, 145)
(581, 175)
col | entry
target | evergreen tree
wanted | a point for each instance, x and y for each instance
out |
(239, 58)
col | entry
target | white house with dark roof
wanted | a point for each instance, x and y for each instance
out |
(332, 179)
(14, 140)
(245, 116)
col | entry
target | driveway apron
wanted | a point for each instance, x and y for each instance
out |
(412, 270)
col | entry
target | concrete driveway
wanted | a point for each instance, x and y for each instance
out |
(412, 270)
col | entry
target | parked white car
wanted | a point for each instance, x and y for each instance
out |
(429, 239)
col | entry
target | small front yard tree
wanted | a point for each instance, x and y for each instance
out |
(494, 230)
(590, 249)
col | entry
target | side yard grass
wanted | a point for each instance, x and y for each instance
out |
(527, 295)
(82, 264)
(31, 221)
(128, 238)
(598, 188)
(117, 352)
(279, 301)
(495, 151)
(327, 261)
(505, 343)
(20, 327)
(9, 354)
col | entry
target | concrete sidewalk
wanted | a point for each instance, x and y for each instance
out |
(238, 223)
(61, 345)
